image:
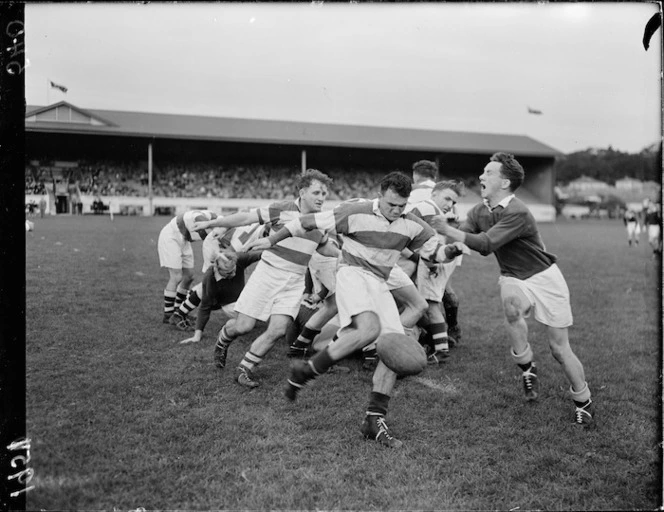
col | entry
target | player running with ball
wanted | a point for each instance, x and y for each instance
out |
(374, 234)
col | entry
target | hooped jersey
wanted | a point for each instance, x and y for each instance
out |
(236, 239)
(186, 220)
(292, 254)
(370, 241)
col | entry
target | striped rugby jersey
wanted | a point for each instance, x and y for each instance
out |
(426, 210)
(237, 238)
(185, 221)
(292, 254)
(421, 191)
(370, 241)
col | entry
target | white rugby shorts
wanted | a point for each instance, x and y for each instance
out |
(653, 232)
(271, 291)
(323, 271)
(547, 293)
(359, 290)
(174, 251)
(398, 278)
(432, 285)
(633, 228)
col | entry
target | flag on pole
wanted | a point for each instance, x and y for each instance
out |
(60, 87)
(534, 111)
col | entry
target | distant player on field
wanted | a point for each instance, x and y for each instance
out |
(653, 222)
(631, 221)
(530, 280)
(177, 256)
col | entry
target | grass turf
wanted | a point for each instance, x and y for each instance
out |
(122, 416)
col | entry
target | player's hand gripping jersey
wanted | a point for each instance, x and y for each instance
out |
(223, 239)
(370, 241)
(292, 254)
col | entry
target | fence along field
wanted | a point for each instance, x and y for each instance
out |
(122, 416)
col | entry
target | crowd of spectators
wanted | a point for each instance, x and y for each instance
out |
(254, 181)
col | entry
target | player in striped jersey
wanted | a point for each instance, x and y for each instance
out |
(374, 234)
(424, 174)
(274, 290)
(177, 255)
(212, 293)
(432, 277)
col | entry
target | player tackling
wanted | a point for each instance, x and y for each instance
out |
(530, 281)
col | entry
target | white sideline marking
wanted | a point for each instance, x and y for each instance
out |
(448, 388)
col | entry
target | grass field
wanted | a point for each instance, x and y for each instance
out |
(122, 416)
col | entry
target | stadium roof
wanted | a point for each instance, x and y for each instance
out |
(64, 117)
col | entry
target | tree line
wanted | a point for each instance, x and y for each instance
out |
(609, 165)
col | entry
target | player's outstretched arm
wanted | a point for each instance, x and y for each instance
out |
(230, 221)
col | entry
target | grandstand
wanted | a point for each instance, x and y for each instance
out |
(147, 164)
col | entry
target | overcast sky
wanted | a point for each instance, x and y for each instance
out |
(466, 67)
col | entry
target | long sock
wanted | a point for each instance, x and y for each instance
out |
(439, 337)
(306, 337)
(192, 302)
(524, 358)
(169, 302)
(378, 403)
(321, 362)
(250, 361)
(581, 398)
(180, 296)
(223, 338)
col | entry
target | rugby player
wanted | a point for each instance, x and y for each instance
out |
(274, 290)
(530, 280)
(374, 233)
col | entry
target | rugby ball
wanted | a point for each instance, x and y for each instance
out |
(401, 354)
(29, 225)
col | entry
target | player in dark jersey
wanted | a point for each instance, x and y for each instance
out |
(222, 284)
(530, 280)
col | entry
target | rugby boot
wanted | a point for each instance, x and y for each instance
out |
(375, 428)
(244, 378)
(300, 374)
(585, 416)
(530, 383)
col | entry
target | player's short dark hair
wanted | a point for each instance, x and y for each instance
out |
(398, 182)
(305, 179)
(426, 168)
(457, 186)
(511, 169)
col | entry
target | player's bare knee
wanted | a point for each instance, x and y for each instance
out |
(512, 309)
